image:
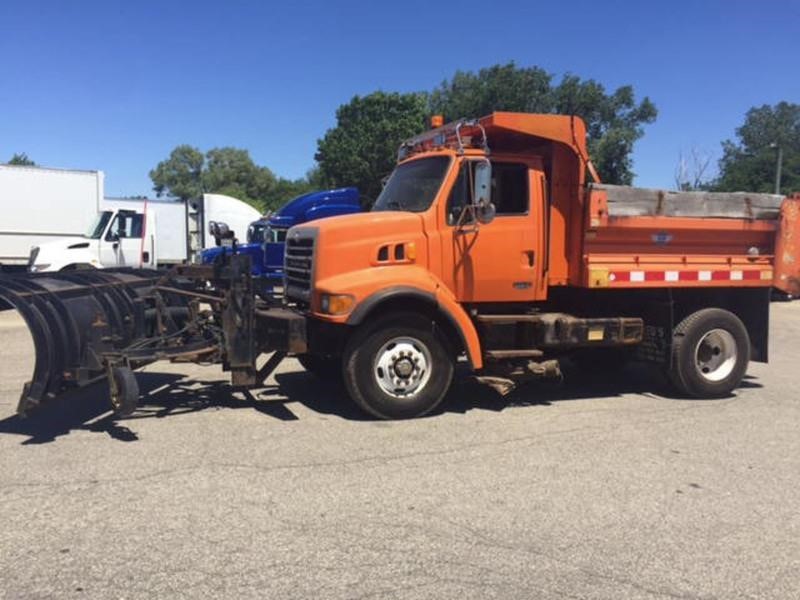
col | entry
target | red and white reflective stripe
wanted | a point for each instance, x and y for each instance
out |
(677, 276)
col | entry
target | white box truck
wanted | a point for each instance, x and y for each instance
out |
(57, 219)
(144, 233)
(39, 205)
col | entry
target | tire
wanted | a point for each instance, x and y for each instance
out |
(326, 368)
(710, 354)
(398, 367)
(126, 400)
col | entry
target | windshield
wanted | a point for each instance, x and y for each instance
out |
(98, 225)
(413, 185)
(275, 234)
(255, 235)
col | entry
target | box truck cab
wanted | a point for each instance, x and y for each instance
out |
(114, 239)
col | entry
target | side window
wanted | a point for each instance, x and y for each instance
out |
(459, 197)
(135, 223)
(510, 188)
(125, 225)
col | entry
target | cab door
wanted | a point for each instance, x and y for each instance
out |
(501, 261)
(122, 243)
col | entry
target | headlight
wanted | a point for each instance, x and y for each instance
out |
(336, 304)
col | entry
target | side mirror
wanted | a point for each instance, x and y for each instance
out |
(482, 191)
(486, 213)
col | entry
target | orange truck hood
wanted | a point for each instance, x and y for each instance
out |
(353, 242)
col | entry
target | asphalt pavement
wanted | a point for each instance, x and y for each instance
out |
(597, 488)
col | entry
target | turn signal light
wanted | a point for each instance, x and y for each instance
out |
(437, 121)
(337, 304)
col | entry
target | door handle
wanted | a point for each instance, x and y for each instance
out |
(531, 256)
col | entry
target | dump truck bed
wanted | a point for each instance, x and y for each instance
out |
(635, 237)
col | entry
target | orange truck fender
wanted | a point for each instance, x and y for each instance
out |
(420, 287)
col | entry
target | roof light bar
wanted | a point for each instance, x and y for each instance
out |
(459, 135)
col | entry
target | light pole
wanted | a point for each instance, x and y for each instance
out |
(778, 167)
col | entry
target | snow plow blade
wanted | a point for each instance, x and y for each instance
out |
(75, 318)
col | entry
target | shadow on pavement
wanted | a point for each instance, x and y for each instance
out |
(168, 395)
(80, 409)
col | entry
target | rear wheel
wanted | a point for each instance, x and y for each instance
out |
(398, 368)
(710, 353)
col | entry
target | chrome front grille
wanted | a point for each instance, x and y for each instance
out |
(298, 264)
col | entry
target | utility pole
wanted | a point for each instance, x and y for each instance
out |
(778, 167)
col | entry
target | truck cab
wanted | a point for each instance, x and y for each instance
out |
(266, 238)
(116, 238)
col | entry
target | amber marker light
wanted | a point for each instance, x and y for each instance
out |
(437, 121)
(336, 304)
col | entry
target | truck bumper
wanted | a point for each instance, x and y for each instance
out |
(295, 332)
(282, 330)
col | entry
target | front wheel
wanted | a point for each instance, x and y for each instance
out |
(710, 353)
(398, 367)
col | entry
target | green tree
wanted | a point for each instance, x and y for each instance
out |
(232, 171)
(21, 159)
(499, 87)
(180, 175)
(188, 173)
(362, 148)
(749, 164)
(614, 121)
(286, 189)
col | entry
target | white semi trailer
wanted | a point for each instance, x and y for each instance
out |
(53, 220)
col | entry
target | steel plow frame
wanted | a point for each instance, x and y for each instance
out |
(88, 325)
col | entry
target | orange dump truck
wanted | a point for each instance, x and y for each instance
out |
(488, 243)
(486, 246)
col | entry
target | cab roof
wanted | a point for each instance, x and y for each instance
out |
(505, 132)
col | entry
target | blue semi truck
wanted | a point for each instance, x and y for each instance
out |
(266, 237)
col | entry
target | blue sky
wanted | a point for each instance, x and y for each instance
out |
(116, 85)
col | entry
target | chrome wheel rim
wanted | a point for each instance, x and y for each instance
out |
(402, 367)
(715, 355)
